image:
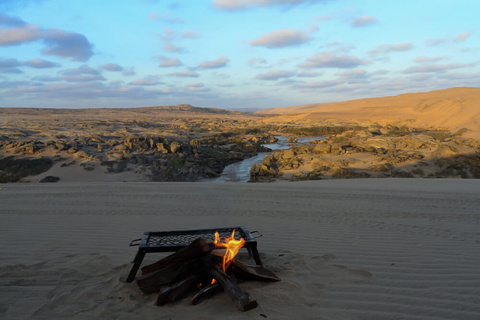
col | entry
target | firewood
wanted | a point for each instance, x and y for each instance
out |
(177, 274)
(169, 274)
(178, 290)
(197, 248)
(248, 272)
(206, 292)
(193, 259)
(242, 299)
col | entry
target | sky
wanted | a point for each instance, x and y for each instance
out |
(232, 54)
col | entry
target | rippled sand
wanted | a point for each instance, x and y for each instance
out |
(345, 249)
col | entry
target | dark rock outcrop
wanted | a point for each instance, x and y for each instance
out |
(13, 169)
(50, 179)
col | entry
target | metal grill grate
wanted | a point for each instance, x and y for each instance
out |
(180, 238)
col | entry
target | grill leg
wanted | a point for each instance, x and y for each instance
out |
(254, 252)
(136, 264)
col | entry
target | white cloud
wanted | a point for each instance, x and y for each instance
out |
(444, 41)
(81, 74)
(331, 60)
(10, 65)
(437, 67)
(167, 38)
(169, 62)
(112, 67)
(57, 42)
(17, 36)
(281, 39)
(427, 59)
(364, 21)
(190, 34)
(256, 61)
(45, 78)
(185, 74)
(435, 42)
(170, 47)
(386, 48)
(275, 75)
(357, 73)
(196, 87)
(244, 4)
(354, 76)
(67, 44)
(462, 36)
(166, 17)
(147, 81)
(129, 72)
(41, 64)
(220, 62)
(380, 72)
(308, 74)
(226, 85)
(11, 21)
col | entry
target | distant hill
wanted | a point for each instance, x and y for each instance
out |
(453, 108)
(150, 113)
(187, 108)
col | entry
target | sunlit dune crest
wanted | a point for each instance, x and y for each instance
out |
(453, 109)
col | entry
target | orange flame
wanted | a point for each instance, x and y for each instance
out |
(231, 245)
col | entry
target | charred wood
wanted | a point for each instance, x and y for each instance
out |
(242, 299)
(197, 248)
(248, 272)
(179, 290)
(206, 292)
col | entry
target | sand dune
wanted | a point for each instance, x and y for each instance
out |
(345, 249)
(453, 109)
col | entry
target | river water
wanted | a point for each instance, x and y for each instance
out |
(240, 171)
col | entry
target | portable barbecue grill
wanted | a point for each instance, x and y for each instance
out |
(168, 241)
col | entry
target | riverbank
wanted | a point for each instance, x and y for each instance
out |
(240, 171)
(374, 154)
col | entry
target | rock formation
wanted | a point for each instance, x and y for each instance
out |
(363, 154)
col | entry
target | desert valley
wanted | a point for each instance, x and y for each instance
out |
(422, 135)
(375, 216)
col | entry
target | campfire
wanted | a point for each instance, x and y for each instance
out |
(202, 269)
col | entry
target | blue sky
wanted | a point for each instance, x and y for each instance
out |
(232, 54)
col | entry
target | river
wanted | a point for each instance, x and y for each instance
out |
(240, 171)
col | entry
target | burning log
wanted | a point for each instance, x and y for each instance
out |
(247, 272)
(186, 261)
(178, 290)
(206, 292)
(179, 273)
(154, 281)
(242, 299)
(241, 271)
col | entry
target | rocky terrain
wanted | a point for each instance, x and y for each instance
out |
(186, 143)
(181, 143)
(375, 153)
